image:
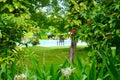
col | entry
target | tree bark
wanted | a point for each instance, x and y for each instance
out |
(72, 50)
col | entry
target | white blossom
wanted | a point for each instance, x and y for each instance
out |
(20, 77)
(67, 71)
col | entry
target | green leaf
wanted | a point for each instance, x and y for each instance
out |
(112, 70)
(92, 73)
(17, 4)
(66, 26)
(79, 63)
(101, 73)
(77, 22)
(1, 25)
(3, 1)
(52, 70)
(10, 7)
(25, 16)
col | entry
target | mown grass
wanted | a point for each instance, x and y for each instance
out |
(56, 55)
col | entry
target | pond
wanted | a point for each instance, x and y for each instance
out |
(56, 43)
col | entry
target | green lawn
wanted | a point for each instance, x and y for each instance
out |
(56, 55)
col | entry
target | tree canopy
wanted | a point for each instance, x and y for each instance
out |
(94, 18)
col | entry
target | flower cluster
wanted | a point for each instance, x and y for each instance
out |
(20, 77)
(73, 31)
(108, 35)
(67, 71)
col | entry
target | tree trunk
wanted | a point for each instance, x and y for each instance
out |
(72, 50)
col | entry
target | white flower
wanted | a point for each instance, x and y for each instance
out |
(23, 76)
(67, 71)
(20, 77)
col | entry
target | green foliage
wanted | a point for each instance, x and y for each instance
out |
(92, 73)
(34, 70)
(96, 19)
(14, 22)
(10, 65)
(100, 28)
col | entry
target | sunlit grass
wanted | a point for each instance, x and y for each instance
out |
(56, 55)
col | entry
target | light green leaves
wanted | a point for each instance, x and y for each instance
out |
(3, 0)
(83, 6)
(17, 4)
(10, 7)
(77, 22)
(25, 16)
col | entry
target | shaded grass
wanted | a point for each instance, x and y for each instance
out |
(56, 55)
